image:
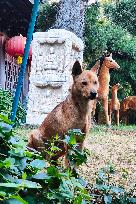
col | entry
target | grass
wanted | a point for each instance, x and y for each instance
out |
(115, 145)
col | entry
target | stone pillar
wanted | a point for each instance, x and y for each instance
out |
(54, 54)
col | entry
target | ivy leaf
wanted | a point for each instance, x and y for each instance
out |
(117, 190)
(9, 163)
(2, 194)
(132, 200)
(52, 171)
(5, 127)
(72, 140)
(24, 176)
(16, 200)
(28, 184)
(21, 163)
(107, 199)
(9, 185)
(41, 176)
(102, 187)
(5, 119)
(37, 163)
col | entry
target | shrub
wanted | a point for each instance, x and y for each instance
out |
(105, 191)
(6, 100)
(25, 177)
(47, 16)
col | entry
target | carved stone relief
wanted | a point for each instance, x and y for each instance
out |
(54, 53)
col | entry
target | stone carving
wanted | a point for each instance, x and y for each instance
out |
(54, 54)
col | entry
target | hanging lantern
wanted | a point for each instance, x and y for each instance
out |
(15, 47)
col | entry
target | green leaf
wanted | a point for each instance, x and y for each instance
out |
(5, 127)
(16, 200)
(41, 176)
(107, 199)
(102, 187)
(52, 171)
(72, 140)
(76, 183)
(28, 184)
(132, 200)
(9, 162)
(24, 176)
(17, 151)
(37, 163)
(78, 200)
(117, 190)
(5, 119)
(21, 163)
(9, 185)
(2, 194)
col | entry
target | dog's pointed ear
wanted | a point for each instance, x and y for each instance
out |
(96, 67)
(77, 69)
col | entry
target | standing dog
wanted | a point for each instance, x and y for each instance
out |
(70, 114)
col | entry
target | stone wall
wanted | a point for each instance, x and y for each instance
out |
(54, 54)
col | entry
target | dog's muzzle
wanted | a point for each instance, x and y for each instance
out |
(92, 95)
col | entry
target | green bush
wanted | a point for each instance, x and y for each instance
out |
(6, 100)
(47, 16)
(122, 13)
(101, 33)
(105, 191)
(107, 26)
(25, 177)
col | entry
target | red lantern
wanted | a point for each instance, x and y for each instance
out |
(15, 46)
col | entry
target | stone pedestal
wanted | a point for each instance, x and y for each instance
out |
(54, 54)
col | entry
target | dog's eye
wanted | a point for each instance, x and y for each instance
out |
(95, 82)
(110, 60)
(84, 83)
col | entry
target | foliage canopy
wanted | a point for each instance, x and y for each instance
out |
(109, 25)
(102, 33)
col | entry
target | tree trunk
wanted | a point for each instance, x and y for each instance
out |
(71, 16)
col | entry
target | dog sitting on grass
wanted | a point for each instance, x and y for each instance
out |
(72, 113)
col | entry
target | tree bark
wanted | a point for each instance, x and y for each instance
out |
(71, 16)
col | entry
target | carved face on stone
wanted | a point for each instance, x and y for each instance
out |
(85, 82)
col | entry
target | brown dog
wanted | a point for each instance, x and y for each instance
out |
(71, 113)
